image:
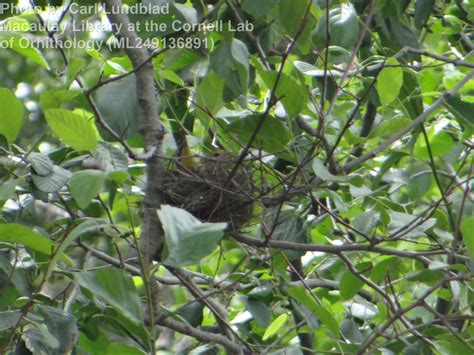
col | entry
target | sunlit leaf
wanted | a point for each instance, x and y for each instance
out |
(11, 114)
(73, 129)
(187, 240)
(389, 82)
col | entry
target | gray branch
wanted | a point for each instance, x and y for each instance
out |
(151, 128)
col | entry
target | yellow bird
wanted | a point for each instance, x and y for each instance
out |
(187, 159)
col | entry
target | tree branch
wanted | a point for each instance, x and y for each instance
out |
(207, 337)
(150, 126)
(427, 113)
(334, 249)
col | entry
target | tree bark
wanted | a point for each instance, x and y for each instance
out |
(151, 128)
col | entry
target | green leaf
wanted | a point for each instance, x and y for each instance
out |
(15, 24)
(110, 158)
(99, 344)
(7, 189)
(90, 225)
(192, 313)
(116, 288)
(261, 293)
(366, 222)
(440, 144)
(40, 163)
(311, 70)
(75, 67)
(187, 13)
(39, 340)
(60, 325)
(288, 227)
(231, 63)
(400, 220)
(419, 182)
(292, 14)
(9, 319)
(15, 233)
(23, 46)
(53, 181)
(462, 110)
(410, 95)
(437, 265)
(118, 106)
(11, 114)
(338, 55)
(260, 312)
(74, 130)
(55, 98)
(171, 76)
(291, 93)
(187, 240)
(349, 285)
(402, 36)
(208, 95)
(343, 27)
(275, 326)
(300, 294)
(389, 82)
(321, 172)
(121, 348)
(423, 9)
(350, 331)
(467, 230)
(380, 270)
(240, 55)
(85, 185)
(272, 136)
(259, 8)
(390, 125)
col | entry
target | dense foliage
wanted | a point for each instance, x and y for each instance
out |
(344, 126)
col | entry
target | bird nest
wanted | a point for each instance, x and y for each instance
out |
(209, 192)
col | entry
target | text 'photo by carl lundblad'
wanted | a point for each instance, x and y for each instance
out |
(78, 9)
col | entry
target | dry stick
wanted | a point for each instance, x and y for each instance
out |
(430, 110)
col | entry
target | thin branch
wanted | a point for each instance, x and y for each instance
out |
(201, 335)
(427, 113)
(335, 249)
